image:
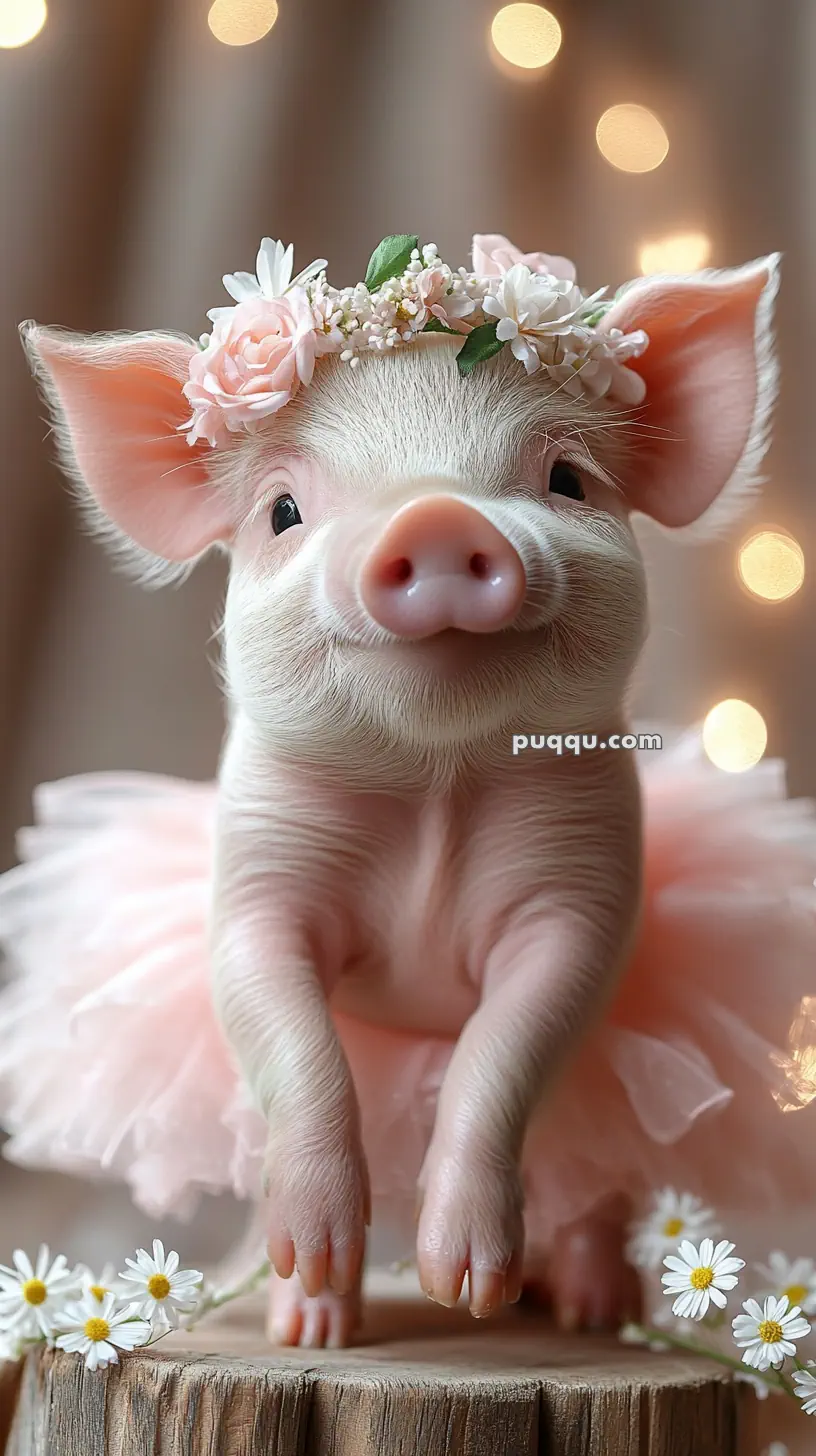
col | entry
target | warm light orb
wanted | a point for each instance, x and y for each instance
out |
(734, 735)
(20, 21)
(240, 22)
(631, 138)
(679, 253)
(771, 565)
(526, 35)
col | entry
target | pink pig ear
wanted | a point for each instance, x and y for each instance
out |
(710, 376)
(118, 404)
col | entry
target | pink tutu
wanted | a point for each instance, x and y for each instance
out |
(702, 1074)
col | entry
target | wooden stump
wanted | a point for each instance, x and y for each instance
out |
(427, 1382)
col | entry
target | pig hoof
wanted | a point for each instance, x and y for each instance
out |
(590, 1284)
(315, 1322)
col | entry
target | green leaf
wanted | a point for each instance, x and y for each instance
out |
(436, 326)
(390, 259)
(480, 344)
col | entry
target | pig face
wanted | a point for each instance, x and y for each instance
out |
(422, 563)
(426, 561)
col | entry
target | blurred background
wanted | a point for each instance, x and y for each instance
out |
(147, 148)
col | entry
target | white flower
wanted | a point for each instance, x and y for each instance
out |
(531, 307)
(805, 1383)
(273, 267)
(768, 1332)
(100, 1285)
(633, 1334)
(30, 1295)
(160, 1287)
(97, 1330)
(698, 1277)
(674, 1216)
(776, 1448)
(794, 1277)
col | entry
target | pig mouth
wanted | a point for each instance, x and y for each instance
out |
(453, 651)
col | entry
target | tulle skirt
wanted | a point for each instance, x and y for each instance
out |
(702, 1073)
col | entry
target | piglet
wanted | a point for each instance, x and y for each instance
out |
(403, 913)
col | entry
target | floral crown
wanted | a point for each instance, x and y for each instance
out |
(264, 346)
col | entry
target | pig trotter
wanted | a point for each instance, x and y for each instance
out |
(471, 1223)
(315, 1322)
(586, 1279)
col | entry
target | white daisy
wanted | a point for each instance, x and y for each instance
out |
(768, 1332)
(98, 1285)
(698, 1277)
(673, 1216)
(794, 1277)
(29, 1295)
(805, 1382)
(97, 1330)
(776, 1448)
(162, 1290)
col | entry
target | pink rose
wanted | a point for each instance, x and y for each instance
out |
(259, 354)
(493, 255)
(432, 286)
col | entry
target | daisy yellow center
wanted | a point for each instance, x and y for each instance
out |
(672, 1227)
(159, 1286)
(701, 1277)
(97, 1329)
(98, 1291)
(34, 1291)
(770, 1332)
(796, 1293)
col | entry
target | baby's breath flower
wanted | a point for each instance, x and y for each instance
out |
(768, 1332)
(698, 1277)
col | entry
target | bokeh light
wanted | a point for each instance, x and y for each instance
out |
(20, 21)
(771, 565)
(632, 138)
(527, 36)
(734, 735)
(241, 22)
(679, 253)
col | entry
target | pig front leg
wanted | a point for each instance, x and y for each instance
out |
(270, 996)
(543, 985)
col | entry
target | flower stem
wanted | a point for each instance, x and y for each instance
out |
(773, 1378)
(221, 1297)
(215, 1300)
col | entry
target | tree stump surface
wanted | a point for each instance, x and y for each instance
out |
(424, 1382)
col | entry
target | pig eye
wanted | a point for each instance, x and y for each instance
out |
(284, 514)
(565, 480)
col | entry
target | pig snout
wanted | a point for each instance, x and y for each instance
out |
(438, 564)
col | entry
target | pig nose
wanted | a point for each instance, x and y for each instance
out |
(440, 563)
